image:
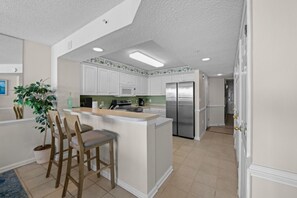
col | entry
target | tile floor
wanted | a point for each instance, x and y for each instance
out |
(205, 169)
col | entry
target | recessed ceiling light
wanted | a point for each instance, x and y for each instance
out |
(97, 49)
(219, 74)
(145, 59)
(205, 59)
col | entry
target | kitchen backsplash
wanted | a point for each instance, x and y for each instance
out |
(107, 99)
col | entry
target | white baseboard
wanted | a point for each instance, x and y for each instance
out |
(271, 174)
(133, 190)
(16, 165)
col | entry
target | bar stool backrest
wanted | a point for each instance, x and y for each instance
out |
(55, 120)
(71, 123)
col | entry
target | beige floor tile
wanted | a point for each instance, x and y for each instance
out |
(206, 178)
(193, 163)
(29, 167)
(104, 183)
(33, 173)
(202, 191)
(107, 195)
(181, 182)
(44, 189)
(119, 192)
(181, 153)
(223, 194)
(227, 186)
(72, 188)
(36, 181)
(173, 192)
(93, 191)
(210, 169)
(187, 172)
(58, 193)
(178, 159)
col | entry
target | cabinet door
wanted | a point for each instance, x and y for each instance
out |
(156, 85)
(89, 80)
(103, 82)
(188, 77)
(138, 85)
(114, 83)
(144, 84)
(165, 79)
(176, 78)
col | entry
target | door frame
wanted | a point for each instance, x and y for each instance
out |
(238, 136)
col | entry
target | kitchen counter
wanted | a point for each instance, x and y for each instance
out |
(116, 114)
(143, 147)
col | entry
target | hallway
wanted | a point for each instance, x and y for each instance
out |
(205, 169)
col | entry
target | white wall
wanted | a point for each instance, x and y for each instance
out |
(216, 103)
(19, 137)
(274, 96)
(69, 80)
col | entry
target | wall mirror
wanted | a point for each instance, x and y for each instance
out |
(11, 74)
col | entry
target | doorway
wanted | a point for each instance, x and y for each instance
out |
(229, 103)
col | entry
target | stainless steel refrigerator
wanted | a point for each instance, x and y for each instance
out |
(180, 106)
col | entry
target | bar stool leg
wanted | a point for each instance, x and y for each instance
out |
(89, 162)
(81, 175)
(111, 157)
(68, 171)
(98, 160)
(60, 163)
(52, 156)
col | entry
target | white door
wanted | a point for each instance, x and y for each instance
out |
(241, 112)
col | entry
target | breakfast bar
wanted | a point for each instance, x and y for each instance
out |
(143, 148)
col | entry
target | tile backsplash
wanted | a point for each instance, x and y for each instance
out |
(107, 99)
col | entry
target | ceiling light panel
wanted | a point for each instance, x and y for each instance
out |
(145, 59)
(98, 49)
(205, 59)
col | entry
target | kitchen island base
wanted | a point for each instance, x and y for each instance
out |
(143, 149)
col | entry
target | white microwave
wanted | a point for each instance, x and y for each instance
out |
(127, 90)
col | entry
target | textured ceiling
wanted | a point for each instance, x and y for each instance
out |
(184, 30)
(149, 47)
(49, 21)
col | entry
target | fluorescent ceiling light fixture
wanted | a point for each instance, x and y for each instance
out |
(219, 74)
(145, 59)
(205, 59)
(97, 49)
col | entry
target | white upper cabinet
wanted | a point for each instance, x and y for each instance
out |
(155, 85)
(114, 83)
(128, 79)
(98, 81)
(188, 77)
(176, 78)
(89, 80)
(103, 82)
(165, 79)
(141, 85)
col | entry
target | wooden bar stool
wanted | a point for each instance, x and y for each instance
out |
(59, 133)
(84, 142)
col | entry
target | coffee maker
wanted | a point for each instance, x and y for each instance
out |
(140, 102)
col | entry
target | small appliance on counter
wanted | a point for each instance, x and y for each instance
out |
(120, 104)
(86, 102)
(140, 102)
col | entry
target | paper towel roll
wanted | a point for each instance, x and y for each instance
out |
(95, 104)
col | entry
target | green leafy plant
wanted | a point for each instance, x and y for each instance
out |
(39, 97)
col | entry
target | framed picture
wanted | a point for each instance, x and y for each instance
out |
(3, 87)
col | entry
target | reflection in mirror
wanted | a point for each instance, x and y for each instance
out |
(11, 75)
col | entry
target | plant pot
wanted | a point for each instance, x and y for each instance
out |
(42, 154)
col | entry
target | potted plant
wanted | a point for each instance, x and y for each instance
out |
(39, 97)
